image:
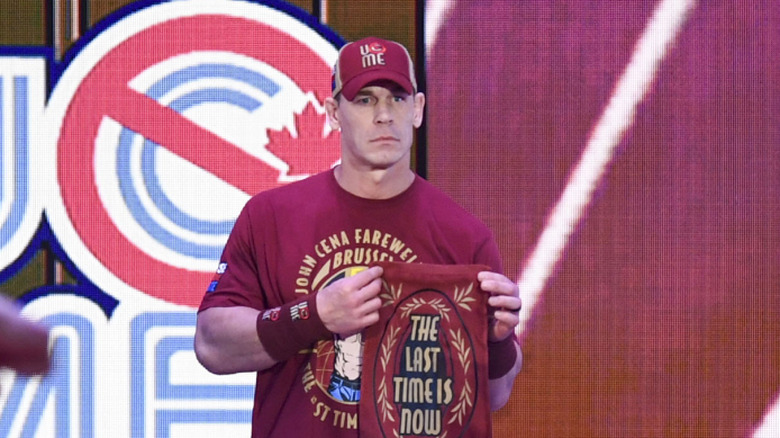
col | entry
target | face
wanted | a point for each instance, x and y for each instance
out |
(377, 126)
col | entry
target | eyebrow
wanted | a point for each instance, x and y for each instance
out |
(396, 90)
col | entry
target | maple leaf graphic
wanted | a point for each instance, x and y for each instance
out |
(309, 152)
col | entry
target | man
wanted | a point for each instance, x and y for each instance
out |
(24, 344)
(294, 279)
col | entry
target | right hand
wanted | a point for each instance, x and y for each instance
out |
(351, 304)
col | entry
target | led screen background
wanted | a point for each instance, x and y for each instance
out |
(662, 314)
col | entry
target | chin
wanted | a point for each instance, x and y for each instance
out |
(385, 164)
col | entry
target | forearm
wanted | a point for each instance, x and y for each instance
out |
(501, 387)
(226, 341)
(23, 343)
(235, 339)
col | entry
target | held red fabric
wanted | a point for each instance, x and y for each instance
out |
(425, 364)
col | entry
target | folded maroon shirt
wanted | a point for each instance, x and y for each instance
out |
(425, 364)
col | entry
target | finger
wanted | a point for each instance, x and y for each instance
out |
(501, 289)
(493, 276)
(370, 319)
(488, 275)
(506, 302)
(497, 284)
(371, 306)
(368, 291)
(358, 280)
(367, 314)
(509, 319)
(366, 276)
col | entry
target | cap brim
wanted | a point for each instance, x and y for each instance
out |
(351, 88)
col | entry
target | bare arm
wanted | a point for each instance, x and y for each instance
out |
(226, 341)
(24, 344)
(505, 297)
(226, 338)
(501, 388)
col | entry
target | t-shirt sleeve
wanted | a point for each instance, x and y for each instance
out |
(237, 281)
(488, 253)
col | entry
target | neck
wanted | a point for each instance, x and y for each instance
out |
(375, 184)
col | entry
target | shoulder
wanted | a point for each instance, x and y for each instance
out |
(284, 203)
(458, 233)
(448, 215)
(441, 204)
(266, 212)
(292, 193)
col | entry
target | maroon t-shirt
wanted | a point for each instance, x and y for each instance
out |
(294, 240)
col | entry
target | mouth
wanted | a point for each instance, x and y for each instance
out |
(384, 139)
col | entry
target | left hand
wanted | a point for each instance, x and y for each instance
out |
(505, 298)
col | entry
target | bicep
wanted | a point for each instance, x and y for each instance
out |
(226, 340)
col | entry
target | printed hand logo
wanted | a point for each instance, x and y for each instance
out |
(310, 151)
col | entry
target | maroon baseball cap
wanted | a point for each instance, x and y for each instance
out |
(372, 59)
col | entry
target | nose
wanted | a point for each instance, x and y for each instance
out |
(383, 113)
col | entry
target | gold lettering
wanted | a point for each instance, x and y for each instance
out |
(360, 254)
(428, 393)
(446, 398)
(397, 246)
(362, 236)
(339, 240)
(415, 388)
(352, 420)
(418, 390)
(422, 360)
(420, 422)
(425, 328)
(345, 420)
(321, 411)
(309, 261)
(324, 245)
(308, 378)
(400, 388)
(348, 257)
(303, 284)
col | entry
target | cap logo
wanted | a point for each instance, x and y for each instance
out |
(372, 54)
(371, 60)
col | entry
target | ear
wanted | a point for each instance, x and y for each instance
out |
(331, 109)
(419, 105)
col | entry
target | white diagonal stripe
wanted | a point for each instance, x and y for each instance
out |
(618, 116)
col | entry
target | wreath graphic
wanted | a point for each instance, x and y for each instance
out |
(463, 403)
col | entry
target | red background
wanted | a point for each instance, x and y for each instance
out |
(663, 316)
